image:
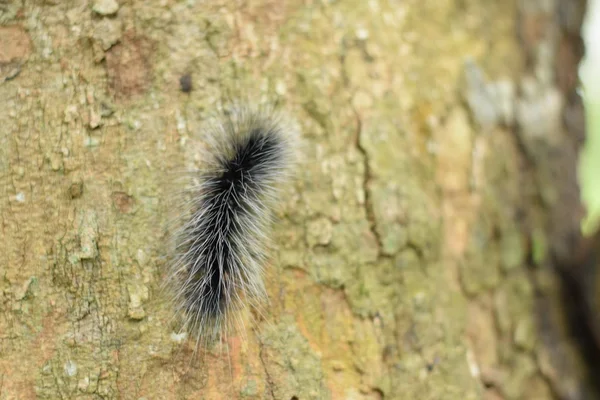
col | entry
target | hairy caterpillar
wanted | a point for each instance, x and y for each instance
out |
(221, 248)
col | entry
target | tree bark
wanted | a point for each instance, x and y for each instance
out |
(410, 252)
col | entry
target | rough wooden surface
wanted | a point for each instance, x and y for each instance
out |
(399, 271)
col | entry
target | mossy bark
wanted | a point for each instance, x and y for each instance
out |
(400, 263)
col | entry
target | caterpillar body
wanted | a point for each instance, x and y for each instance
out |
(222, 246)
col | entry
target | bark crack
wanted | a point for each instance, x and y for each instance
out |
(269, 379)
(367, 176)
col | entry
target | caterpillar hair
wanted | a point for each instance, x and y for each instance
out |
(222, 246)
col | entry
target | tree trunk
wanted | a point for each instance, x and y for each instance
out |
(410, 257)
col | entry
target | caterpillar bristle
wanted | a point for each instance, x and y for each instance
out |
(222, 245)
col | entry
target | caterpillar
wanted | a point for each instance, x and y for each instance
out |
(222, 247)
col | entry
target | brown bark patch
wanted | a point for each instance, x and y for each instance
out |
(123, 202)
(570, 52)
(14, 44)
(128, 66)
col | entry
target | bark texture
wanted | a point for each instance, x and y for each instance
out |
(410, 250)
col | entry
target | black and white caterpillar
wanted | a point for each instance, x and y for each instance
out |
(222, 246)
